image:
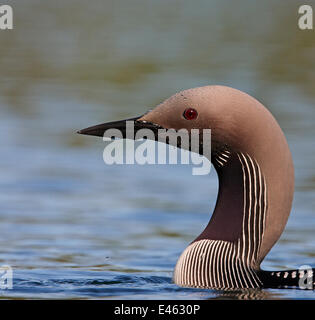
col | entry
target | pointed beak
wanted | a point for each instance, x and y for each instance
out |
(121, 125)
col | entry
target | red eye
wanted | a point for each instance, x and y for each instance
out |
(190, 114)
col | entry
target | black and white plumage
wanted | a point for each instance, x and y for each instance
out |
(256, 185)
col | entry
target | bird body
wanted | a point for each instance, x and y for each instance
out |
(256, 185)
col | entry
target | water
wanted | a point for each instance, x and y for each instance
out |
(72, 227)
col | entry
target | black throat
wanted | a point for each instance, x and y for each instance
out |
(227, 219)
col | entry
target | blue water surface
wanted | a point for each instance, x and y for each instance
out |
(73, 227)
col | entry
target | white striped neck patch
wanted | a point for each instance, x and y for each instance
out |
(227, 264)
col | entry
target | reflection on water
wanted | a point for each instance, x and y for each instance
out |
(71, 226)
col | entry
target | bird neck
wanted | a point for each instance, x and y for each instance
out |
(240, 211)
(226, 253)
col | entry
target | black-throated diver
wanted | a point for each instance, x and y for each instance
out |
(256, 186)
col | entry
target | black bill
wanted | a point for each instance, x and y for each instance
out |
(121, 125)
